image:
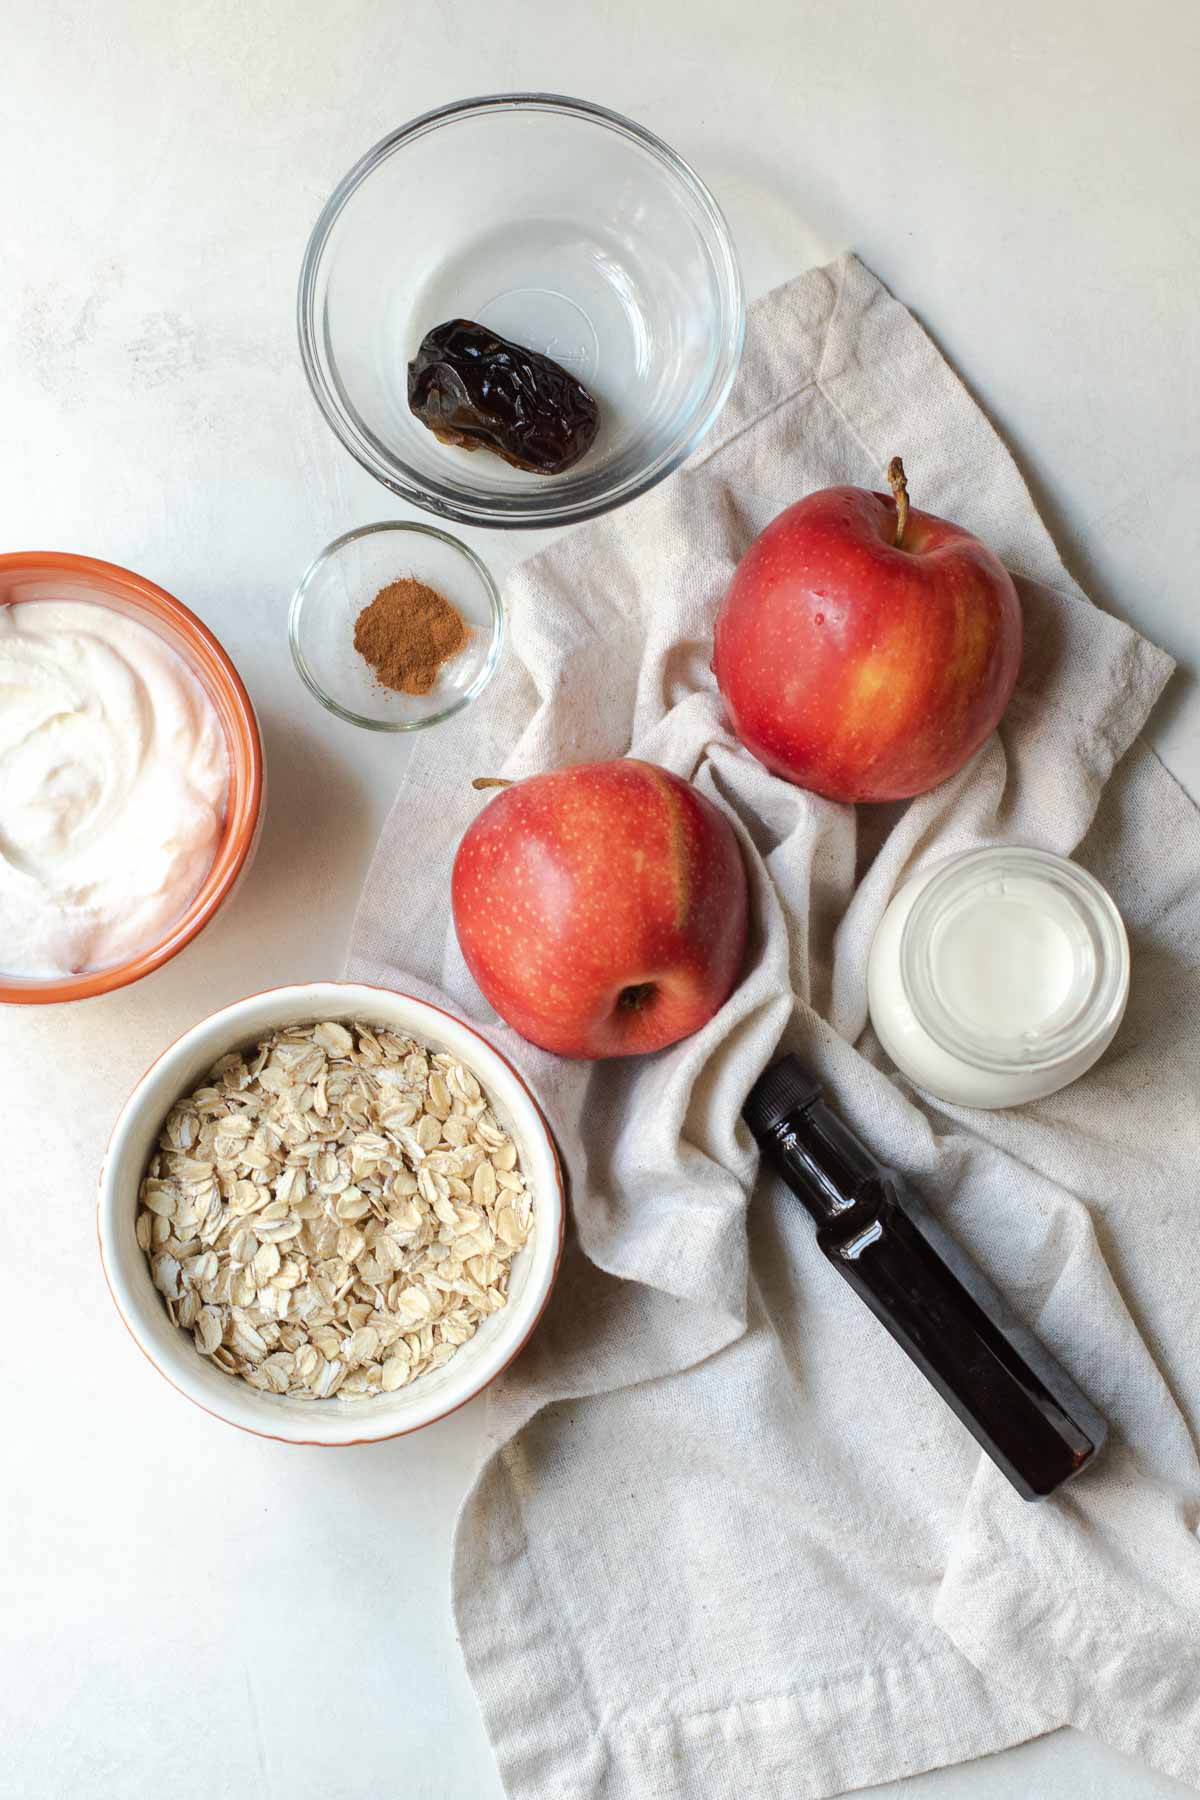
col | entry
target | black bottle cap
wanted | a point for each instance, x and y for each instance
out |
(783, 1087)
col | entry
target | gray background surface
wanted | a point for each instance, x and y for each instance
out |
(184, 1609)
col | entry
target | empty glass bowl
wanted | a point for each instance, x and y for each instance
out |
(560, 225)
(345, 578)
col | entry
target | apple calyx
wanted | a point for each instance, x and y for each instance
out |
(898, 483)
(634, 997)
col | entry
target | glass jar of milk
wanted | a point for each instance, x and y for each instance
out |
(999, 976)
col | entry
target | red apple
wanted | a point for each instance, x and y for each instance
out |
(602, 909)
(863, 650)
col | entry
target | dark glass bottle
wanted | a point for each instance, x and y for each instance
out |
(1007, 1389)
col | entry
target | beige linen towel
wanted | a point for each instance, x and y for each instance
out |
(726, 1544)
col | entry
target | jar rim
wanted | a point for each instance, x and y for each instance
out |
(951, 886)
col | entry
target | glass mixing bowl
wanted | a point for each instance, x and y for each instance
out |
(560, 225)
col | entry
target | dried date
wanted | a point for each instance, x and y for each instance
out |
(483, 392)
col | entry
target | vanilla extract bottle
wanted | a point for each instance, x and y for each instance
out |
(1015, 1399)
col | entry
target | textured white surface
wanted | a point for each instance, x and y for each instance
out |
(184, 1608)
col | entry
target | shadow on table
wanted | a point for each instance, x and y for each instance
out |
(290, 920)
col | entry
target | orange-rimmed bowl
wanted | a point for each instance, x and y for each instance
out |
(32, 575)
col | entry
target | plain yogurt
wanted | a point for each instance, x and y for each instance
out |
(113, 783)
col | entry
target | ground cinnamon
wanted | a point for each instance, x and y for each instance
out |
(407, 632)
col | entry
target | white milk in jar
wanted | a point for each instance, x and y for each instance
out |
(999, 976)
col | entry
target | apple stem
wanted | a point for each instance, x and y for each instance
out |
(898, 483)
(490, 781)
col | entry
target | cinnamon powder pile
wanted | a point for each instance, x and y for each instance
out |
(407, 632)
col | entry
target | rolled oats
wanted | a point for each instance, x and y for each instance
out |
(334, 1213)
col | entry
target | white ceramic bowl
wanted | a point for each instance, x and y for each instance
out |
(336, 1421)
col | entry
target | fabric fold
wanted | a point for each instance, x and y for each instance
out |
(726, 1542)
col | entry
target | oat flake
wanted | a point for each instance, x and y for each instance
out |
(334, 1213)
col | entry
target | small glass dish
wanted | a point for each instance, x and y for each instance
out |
(560, 225)
(346, 577)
